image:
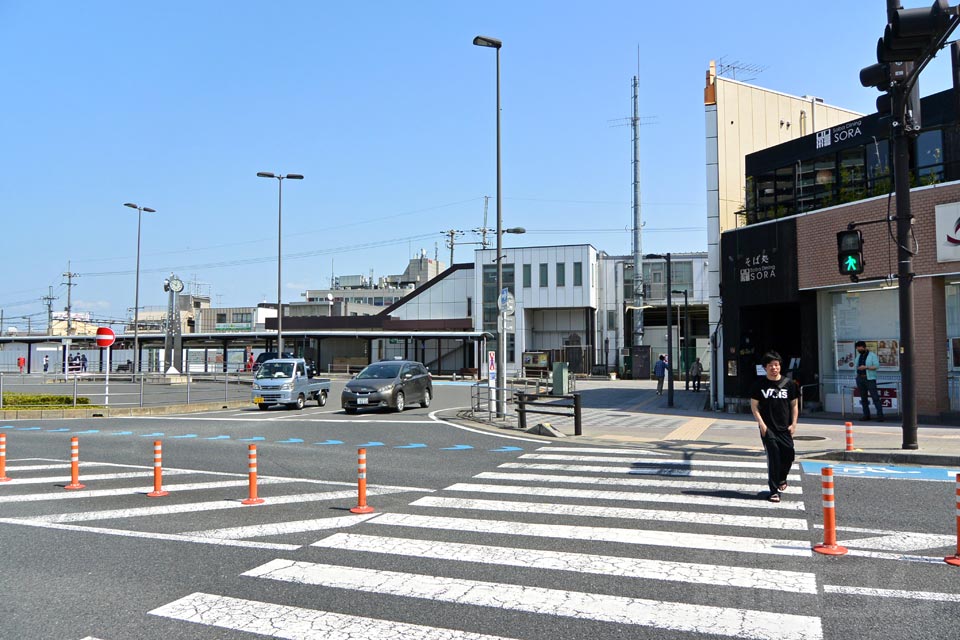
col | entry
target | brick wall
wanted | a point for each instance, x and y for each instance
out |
(817, 268)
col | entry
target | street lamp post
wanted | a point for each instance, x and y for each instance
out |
(136, 294)
(280, 179)
(484, 41)
(685, 350)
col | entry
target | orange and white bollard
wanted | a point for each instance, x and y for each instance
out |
(158, 491)
(829, 546)
(955, 560)
(3, 458)
(849, 429)
(362, 506)
(252, 470)
(74, 465)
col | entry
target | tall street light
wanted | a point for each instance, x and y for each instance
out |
(136, 294)
(280, 179)
(484, 41)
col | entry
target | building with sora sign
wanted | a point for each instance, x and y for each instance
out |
(780, 284)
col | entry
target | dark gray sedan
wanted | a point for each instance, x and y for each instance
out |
(392, 384)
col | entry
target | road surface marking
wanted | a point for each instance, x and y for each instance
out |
(651, 461)
(776, 580)
(623, 482)
(690, 430)
(590, 511)
(194, 507)
(892, 593)
(901, 557)
(296, 623)
(280, 528)
(625, 452)
(126, 533)
(101, 493)
(738, 623)
(643, 471)
(751, 502)
(767, 545)
(87, 477)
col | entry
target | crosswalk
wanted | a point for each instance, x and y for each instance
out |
(562, 541)
(603, 543)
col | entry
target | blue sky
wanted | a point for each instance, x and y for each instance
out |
(389, 112)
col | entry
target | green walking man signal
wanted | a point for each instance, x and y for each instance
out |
(850, 253)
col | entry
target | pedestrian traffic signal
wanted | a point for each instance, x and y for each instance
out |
(850, 253)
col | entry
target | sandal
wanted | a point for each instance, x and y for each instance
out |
(774, 497)
(782, 486)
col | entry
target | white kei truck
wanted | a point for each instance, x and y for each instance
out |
(288, 382)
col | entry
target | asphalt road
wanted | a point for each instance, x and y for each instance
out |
(482, 535)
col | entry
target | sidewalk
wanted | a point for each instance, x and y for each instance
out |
(630, 413)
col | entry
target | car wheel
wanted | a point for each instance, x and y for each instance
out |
(426, 399)
(322, 399)
(400, 402)
(300, 402)
(262, 406)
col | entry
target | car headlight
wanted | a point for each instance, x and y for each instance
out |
(286, 386)
(385, 388)
(256, 387)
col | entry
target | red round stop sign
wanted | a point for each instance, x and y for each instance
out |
(105, 337)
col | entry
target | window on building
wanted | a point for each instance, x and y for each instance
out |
(879, 175)
(527, 276)
(490, 293)
(611, 320)
(766, 196)
(785, 182)
(578, 274)
(469, 307)
(561, 274)
(805, 186)
(853, 175)
(930, 157)
(543, 274)
(825, 178)
(221, 318)
(242, 317)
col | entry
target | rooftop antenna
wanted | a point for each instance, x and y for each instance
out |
(747, 70)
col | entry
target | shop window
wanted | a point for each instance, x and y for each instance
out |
(806, 186)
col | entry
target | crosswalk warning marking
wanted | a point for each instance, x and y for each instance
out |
(546, 478)
(643, 471)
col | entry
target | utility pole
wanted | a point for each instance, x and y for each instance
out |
(483, 230)
(48, 300)
(69, 276)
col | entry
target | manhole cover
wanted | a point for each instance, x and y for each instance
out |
(809, 438)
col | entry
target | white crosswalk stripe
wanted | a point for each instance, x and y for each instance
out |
(576, 539)
(583, 535)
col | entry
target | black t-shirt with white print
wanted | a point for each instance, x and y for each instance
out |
(775, 398)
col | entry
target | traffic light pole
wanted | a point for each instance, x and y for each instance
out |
(901, 177)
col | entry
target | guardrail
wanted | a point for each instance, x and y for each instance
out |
(127, 389)
(526, 400)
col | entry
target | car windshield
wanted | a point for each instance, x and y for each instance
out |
(379, 372)
(275, 370)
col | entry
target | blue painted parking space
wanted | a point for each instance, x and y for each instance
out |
(889, 471)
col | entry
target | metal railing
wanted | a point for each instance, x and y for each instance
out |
(93, 390)
(525, 401)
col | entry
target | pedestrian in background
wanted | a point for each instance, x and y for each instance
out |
(659, 371)
(775, 408)
(696, 370)
(83, 362)
(867, 365)
(21, 361)
(46, 363)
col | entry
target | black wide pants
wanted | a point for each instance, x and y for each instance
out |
(780, 457)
